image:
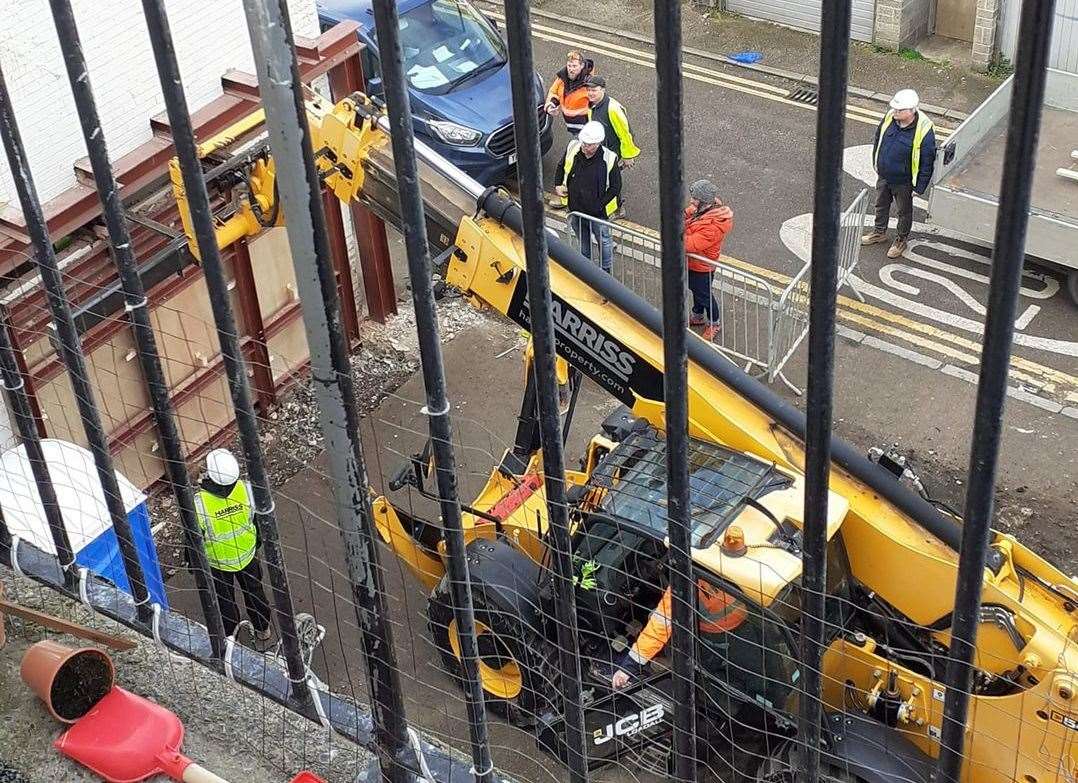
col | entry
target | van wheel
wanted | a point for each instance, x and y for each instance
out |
(517, 665)
(1072, 285)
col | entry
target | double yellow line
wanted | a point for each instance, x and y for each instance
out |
(696, 73)
(952, 347)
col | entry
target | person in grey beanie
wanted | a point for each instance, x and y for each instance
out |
(707, 222)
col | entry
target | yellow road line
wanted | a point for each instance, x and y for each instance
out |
(908, 329)
(698, 73)
(912, 331)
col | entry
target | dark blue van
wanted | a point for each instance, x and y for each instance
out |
(457, 68)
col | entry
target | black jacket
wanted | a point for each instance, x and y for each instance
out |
(589, 191)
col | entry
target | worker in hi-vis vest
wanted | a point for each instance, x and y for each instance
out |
(717, 613)
(225, 510)
(904, 156)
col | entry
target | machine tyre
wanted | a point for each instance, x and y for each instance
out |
(518, 666)
(783, 768)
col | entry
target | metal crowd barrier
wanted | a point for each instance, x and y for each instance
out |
(762, 325)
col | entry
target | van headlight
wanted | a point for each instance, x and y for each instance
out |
(452, 133)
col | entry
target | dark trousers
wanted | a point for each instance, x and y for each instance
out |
(254, 596)
(902, 195)
(703, 299)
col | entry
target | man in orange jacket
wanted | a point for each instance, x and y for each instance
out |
(718, 612)
(568, 93)
(707, 222)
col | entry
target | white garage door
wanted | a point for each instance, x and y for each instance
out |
(1064, 54)
(805, 14)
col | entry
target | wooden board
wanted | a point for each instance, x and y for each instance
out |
(956, 18)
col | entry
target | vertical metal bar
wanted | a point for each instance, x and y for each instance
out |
(430, 350)
(1023, 130)
(253, 325)
(669, 105)
(168, 72)
(28, 384)
(826, 234)
(136, 306)
(69, 347)
(370, 231)
(338, 243)
(338, 404)
(19, 404)
(530, 175)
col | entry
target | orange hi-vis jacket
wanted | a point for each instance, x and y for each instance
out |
(718, 611)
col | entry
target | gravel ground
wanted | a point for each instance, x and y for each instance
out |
(291, 435)
(229, 729)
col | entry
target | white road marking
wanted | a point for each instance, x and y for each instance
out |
(796, 234)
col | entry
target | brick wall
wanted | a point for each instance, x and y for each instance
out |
(901, 22)
(211, 37)
(984, 33)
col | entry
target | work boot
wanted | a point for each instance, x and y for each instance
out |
(897, 249)
(874, 238)
(262, 638)
(554, 201)
(711, 332)
(697, 319)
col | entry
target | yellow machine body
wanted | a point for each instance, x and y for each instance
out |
(1027, 736)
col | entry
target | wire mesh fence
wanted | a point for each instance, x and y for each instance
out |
(757, 323)
(427, 595)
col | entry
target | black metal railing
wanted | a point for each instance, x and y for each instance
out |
(386, 729)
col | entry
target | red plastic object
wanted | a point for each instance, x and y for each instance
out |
(126, 738)
(307, 777)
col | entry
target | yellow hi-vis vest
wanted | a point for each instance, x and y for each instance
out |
(228, 528)
(609, 158)
(924, 125)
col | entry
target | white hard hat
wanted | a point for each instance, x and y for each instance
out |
(905, 99)
(592, 133)
(222, 467)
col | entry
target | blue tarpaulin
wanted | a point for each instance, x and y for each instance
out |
(85, 515)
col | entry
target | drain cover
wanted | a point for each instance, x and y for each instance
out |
(804, 95)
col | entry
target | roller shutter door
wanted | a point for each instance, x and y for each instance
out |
(1064, 52)
(805, 14)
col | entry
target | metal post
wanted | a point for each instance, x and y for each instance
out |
(669, 103)
(375, 264)
(168, 72)
(253, 325)
(69, 347)
(136, 306)
(826, 217)
(1034, 40)
(19, 403)
(530, 175)
(430, 351)
(312, 257)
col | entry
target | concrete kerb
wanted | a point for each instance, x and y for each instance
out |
(939, 112)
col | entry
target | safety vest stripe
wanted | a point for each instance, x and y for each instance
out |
(924, 125)
(609, 158)
(230, 536)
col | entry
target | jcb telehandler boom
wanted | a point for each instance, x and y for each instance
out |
(892, 555)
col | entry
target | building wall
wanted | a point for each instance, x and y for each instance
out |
(985, 33)
(901, 22)
(210, 35)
